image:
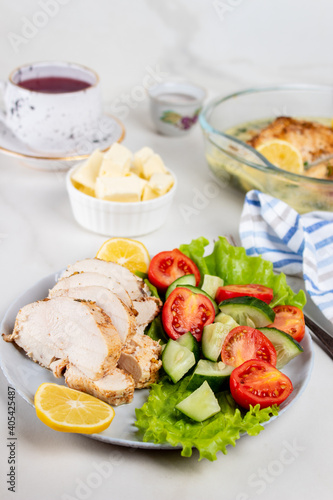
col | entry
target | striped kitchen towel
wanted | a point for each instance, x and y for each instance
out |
(299, 245)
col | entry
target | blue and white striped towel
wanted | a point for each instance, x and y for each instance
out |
(300, 245)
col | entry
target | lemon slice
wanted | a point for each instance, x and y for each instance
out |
(67, 410)
(283, 155)
(131, 254)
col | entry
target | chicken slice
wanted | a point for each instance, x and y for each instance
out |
(92, 279)
(140, 358)
(311, 138)
(147, 309)
(58, 367)
(135, 286)
(66, 329)
(121, 316)
(116, 388)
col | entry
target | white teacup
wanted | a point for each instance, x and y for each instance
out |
(53, 119)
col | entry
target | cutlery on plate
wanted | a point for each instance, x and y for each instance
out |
(325, 339)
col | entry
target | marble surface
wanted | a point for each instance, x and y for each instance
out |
(224, 46)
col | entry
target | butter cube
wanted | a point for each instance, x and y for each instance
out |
(149, 193)
(125, 189)
(84, 189)
(111, 169)
(154, 165)
(86, 174)
(140, 158)
(161, 183)
(117, 161)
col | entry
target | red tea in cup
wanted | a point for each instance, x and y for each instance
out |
(54, 84)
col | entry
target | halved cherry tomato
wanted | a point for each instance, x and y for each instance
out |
(185, 311)
(166, 267)
(257, 382)
(258, 291)
(289, 319)
(243, 343)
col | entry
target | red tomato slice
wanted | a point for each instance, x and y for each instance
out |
(289, 319)
(185, 311)
(257, 382)
(166, 267)
(243, 343)
(258, 291)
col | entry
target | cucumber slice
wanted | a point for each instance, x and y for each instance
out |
(286, 347)
(187, 340)
(187, 279)
(177, 360)
(200, 405)
(215, 374)
(225, 319)
(213, 337)
(248, 311)
(194, 289)
(211, 284)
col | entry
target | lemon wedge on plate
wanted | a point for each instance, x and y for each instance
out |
(131, 254)
(67, 410)
(283, 155)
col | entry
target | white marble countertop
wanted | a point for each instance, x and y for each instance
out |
(235, 48)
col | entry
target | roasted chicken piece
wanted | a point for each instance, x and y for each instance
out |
(123, 318)
(140, 358)
(72, 331)
(134, 286)
(115, 388)
(312, 139)
(147, 309)
(92, 279)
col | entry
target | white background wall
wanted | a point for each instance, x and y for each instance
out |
(225, 44)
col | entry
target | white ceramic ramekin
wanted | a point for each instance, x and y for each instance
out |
(112, 218)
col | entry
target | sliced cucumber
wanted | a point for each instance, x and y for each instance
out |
(215, 374)
(213, 337)
(194, 289)
(225, 319)
(200, 405)
(177, 360)
(248, 311)
(187, 340)
(187, 279)
(211, 284)
(286, 347)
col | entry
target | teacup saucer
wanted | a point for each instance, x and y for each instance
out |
(108, 131)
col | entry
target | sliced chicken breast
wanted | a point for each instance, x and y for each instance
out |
(140, 358)
(133, 285)
(147, 308)
(92, 279)
(74, 331)
(121, 316)
(116, 388)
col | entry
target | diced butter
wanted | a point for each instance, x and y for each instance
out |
(117, 161)
(140, 158)
(84, 189)
(87, 173)
(154, 165)
(111, 169)
(149, 193)
(128, 188)
(161, 183)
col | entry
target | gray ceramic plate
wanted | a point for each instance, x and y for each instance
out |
(26, 376)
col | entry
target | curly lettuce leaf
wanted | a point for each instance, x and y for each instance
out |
(160, 422)
(235, 267)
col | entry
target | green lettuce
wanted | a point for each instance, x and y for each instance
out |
(160, 422)
(235, 267)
